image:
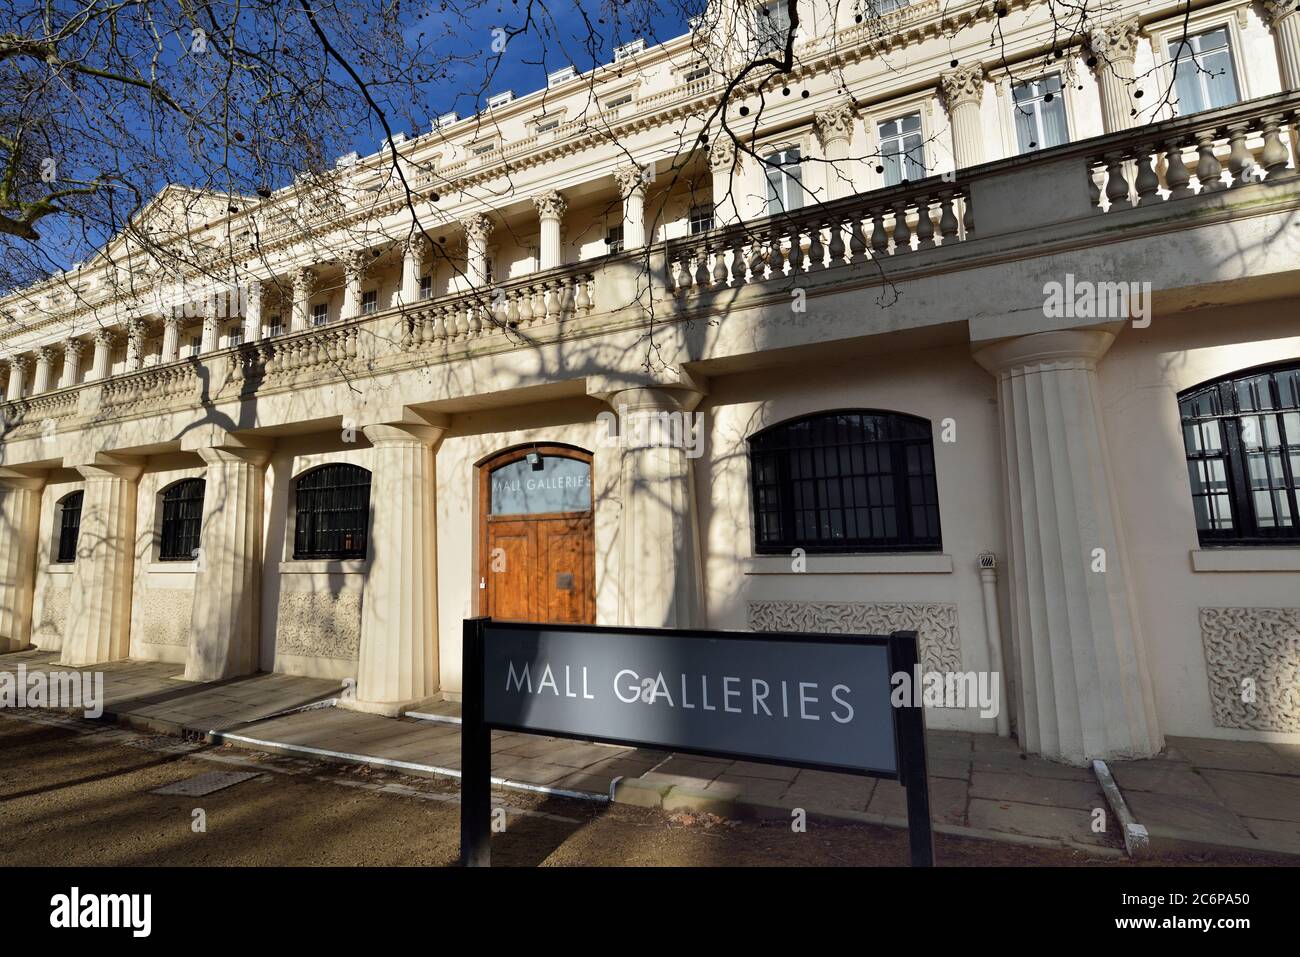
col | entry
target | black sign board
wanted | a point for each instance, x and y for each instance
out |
(809, 701)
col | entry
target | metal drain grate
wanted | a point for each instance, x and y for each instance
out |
(202, 784)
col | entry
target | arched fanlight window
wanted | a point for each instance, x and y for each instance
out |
(68, 522)
(182, 520)
(331, 512)
(845, 481)
(1242, 438)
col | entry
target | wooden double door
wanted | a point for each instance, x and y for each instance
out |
(537, 536)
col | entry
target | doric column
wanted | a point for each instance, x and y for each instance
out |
(1114, 48)
(99, 610)
(44, 366)
(1084, 688)
(101, 365)
(415, 257)
(1283, 18)
(20, 513)
(225, 619)
(253, 310)
(660, 576)
(355, 264)
(551, 208)
(727, 186)
(72, 349)
(478, 228)
(135, 332)
(963, 92)
(304, 284)
(208, 343)
(399, 612)
(171, 342)
(631, 182)
(834, 132)
(17, 377)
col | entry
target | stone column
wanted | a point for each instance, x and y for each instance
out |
(1114, 47)
(210, 339)
(99, 607)
(225, 619)
(1283, 18)
(660, 574)
(135, 332)
(834, 132)
(171, 342)
(253, 310)
(398, 666)
(355, 263)
(1084, 688)
(20, 513)
(551, 208)
(477, 230)
(963, 92)
(631, 182)
(17, 377)
(72, 349)
(304, 284)
(727, 181)
(101, 365)
(44, 367)
(415, 256)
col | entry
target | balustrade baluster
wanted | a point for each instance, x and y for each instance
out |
(902, 233)
(836, 248)
(857, 241)
(1274, 155)
(1147, 183)
(947, 217)
(879, 238)
(816, 251)
(924, 224)
(1208, 169)
(1177, 176)
(1239, 158)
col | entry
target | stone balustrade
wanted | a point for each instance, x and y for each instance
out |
(151, 389)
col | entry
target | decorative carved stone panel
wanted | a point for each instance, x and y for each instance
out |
(934, 623)
(319, 625)
(1253, 659)
(164, 616)
(54, 615)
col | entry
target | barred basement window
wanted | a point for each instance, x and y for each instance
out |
(182, 519)
(1242, 437)
(331, 512)
(845, 481)
(68, 522)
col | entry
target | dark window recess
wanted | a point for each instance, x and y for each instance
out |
(69, 526)
(1242, 437)
(845, 481)
(182, 519)
(332, 512)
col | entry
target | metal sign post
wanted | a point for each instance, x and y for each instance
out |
(810, 701)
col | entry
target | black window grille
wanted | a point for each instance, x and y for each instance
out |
(182, 521)
(69, 526)
(332, 512)
(845, 481)
(1242, 438)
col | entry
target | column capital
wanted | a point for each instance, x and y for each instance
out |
(673, 389)
(962, 85)
(416, 248)
(631, 178)
(121, 469)
(45, 354)
(74, 347)
(1276, 10)
(722, 154)
(835, 124)
(550, 205)
(20, 362)
(1117, 40)
(356, 263)
(31, 480)
(1076, 347)
(105, 337)
(478, 226)
(407, 427)
(304, 280)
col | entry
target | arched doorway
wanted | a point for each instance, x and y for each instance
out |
(537, 553)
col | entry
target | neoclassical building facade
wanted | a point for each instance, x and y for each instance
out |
(997, 342)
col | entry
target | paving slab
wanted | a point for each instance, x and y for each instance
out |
(1067, 825)
(1268, 796)
(1280, 835)
(1165, 777)
(822, 790)
(1209, 820)
(1266, 761)
(948, 800)
(1028, 789)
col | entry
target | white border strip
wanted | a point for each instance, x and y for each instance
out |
(426, 716)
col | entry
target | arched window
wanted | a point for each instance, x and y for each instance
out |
(845, 481)
(68, 522)
(182, 519)
(1242, 436)
(331, 512)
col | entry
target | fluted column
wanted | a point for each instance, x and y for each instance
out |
(834, 132)
(631, 182)
(99, 610)
(20, 513)
(660, 574)
(551, 208)
(963, 92)
(354, 274)
(17, 377)
(304, 284)
(135, 332)
(399, 612)
(253, 293)
(171, 341)
(415, 256)
(101, 365)
(208, 343)
(1283, 17)
(478, 228)
(225, 619)
(1084, 687)
(724, 164)
(1114, 47)
(72, 349)
(44, 368)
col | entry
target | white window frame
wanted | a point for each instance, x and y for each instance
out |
(804, 196)
(694, 214)
(763, 38)
(919, 113)
(1162, 34)
(321, 309)
(932, 147)
(1038, 120)
(369, 302)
